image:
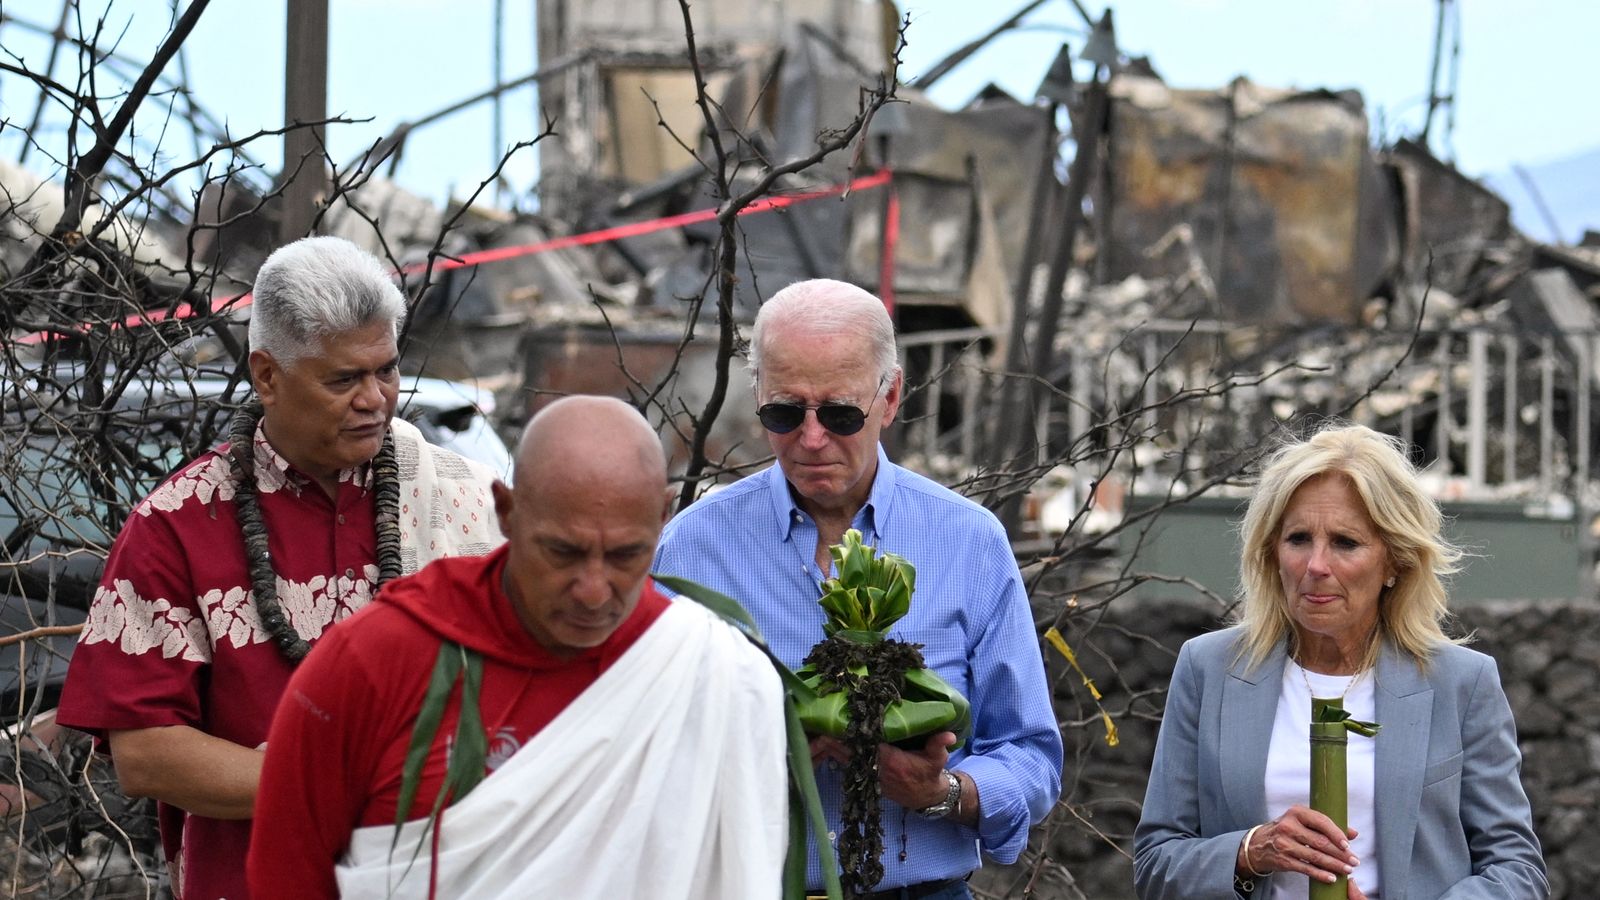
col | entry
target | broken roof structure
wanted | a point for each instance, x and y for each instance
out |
(1255, 212)
(628, 104)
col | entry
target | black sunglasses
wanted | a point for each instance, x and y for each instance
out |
(839, 418)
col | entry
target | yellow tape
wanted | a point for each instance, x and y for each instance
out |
(1060, 643)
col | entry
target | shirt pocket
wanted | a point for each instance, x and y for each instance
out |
(1441, 770)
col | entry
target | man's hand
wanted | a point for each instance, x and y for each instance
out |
(916, 779)
(828, 748)
(913, 779)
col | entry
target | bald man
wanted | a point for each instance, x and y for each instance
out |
(620, 744)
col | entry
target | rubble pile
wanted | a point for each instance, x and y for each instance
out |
(1248, 239)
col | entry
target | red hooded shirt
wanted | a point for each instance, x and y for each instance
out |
(339, 738)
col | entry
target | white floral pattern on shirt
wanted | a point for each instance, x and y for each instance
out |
(119, 615)
(311, 608)
(211, 479)
(273, 473)
(315, 606)
(232, 615)
(139, 626)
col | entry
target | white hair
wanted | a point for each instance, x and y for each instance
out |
(822, 304)
(315, 288)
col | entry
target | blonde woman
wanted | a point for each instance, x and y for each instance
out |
(1342, 597)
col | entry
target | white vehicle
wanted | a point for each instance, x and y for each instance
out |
(56, 524)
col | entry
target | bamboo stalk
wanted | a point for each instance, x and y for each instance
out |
(1329, 788)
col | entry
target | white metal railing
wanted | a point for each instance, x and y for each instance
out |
(1462, 396)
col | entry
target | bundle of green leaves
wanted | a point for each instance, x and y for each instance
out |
(870, 593)
(868, 688)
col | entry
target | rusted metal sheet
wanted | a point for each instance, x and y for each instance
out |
(609, 138)
(590, 358)
(1450, 220)
(1278, 187)
(989, 156)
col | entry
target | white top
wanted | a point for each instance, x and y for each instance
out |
(571, 816)
(1288, 775)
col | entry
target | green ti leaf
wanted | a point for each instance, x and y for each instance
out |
(446, 667)
(467, 753)
(805, 806)
(897, 599)
(904, 719)
(471, 747)
(1329, 713)
(869, 592)
(873, 598)
(925, 684)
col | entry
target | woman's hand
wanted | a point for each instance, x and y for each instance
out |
(1301, 840)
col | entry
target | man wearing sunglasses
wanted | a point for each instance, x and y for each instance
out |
(827, 382)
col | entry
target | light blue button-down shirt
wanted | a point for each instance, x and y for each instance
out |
(970, 613)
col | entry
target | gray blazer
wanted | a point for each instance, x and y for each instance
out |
(1453, 820)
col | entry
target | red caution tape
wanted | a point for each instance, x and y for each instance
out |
(891, 237)
(766, 204)
(604, 235)
(152, 316)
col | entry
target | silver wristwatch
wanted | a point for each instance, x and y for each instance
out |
(950, 803)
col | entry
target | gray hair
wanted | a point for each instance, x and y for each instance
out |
(822, 304)
(315, 288)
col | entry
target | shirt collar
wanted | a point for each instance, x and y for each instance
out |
(274, 473)
(872, 518)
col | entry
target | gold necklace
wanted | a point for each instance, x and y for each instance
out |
(1347, 685)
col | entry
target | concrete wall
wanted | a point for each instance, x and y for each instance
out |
(1549, 658)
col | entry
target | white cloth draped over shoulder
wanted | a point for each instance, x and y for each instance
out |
(446, 508)
(665, 779)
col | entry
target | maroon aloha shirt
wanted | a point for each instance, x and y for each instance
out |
(173, 636)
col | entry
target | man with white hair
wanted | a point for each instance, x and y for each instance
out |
(227, 573)
(827, 382)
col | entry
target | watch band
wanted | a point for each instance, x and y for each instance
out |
(951, 802)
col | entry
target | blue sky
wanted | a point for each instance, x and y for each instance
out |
(1526, 91)
(1525, 94)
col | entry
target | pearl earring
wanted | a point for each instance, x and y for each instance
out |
(1390, 582)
